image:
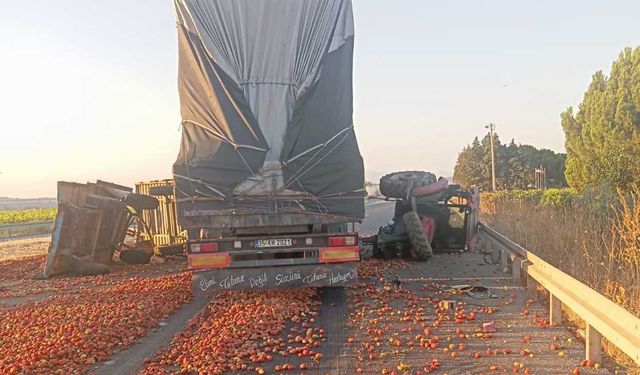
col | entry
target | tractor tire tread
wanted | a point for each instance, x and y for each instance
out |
(421, 249)
(395, 185)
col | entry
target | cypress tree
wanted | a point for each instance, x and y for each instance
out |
(603, 137)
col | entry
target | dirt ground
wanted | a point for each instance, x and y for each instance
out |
(22, 248)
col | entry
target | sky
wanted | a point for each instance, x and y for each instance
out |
(88, 89)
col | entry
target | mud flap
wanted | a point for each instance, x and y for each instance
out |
(282, 277)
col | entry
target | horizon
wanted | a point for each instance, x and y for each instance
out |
(90, 91)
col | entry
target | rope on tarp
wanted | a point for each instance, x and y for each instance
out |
(321, 145)
(186, 165)
(223, 138)
(207, 185)
(321, 207)
(337, 195)
(266, 198)
(301, 171)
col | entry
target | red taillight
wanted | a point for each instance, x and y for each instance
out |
(208, 247)
(342, 241)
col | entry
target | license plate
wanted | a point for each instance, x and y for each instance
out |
(280, 242)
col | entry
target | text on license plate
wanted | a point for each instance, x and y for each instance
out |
(274, 242)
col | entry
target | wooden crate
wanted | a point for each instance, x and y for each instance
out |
(163, 221)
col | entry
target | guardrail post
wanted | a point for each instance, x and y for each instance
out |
(593, 349)
(531, 287)
(525, 279)
(515, 268)
(504, 261)
(555, 310)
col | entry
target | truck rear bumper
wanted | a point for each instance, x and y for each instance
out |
(280, 277)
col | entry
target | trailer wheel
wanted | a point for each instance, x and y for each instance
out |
(420, 247)
(395, 185)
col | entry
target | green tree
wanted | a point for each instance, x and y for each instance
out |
(515, 165)
(470, 169)
(603, 137)
(520, 167)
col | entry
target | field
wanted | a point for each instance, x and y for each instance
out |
(27, 216)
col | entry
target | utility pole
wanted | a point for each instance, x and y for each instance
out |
(491, 127)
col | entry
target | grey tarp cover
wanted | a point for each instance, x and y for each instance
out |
(266, 102)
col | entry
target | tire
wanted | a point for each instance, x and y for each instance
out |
(420, 247)
(394, 185)
(171, 249)
(366, 251)
(366, 247)
(135, 257)
(141, 202)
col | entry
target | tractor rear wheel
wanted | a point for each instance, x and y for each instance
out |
(395, 185)
(420, 247)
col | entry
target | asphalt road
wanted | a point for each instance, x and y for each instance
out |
(355, 312)
(377, 214)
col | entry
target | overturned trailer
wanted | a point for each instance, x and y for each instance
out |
(269, 180)
(92, 222)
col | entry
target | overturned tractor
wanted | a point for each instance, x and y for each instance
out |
(430, 215)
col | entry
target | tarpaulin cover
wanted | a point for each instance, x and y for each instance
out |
(266, 102)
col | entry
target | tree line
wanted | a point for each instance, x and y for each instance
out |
(602, 141)
(515, 165)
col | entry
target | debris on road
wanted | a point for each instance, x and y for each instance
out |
(246, 331)
(433, 327)
(380, 329)
(474, 291)
(447, 304)
(21, 278)
(68, 332)
(15, 269)
(489, 327)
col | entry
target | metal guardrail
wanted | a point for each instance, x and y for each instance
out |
(603, 317)
(22, 230)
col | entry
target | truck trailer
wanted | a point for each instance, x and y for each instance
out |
(269, 180)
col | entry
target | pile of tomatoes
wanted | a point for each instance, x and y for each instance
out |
(71, 331)
(247, 331)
